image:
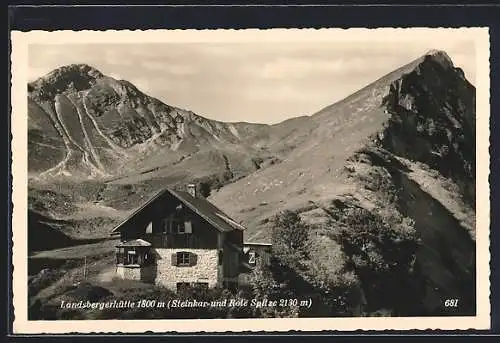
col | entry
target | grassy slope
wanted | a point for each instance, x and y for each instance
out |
(312, 168)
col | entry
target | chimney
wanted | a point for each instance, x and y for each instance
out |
(191, 188)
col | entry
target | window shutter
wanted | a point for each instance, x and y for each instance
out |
(174, 259)
(193, 259)
(188, 228)
(149, 228)
(164, 226)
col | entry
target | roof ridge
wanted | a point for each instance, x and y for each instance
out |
(215, 217)
(195, 209)
(231, 221)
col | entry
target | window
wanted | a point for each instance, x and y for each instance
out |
(183, 259)
(200, 285)
(251, 257)
(182, 286)
(179, 228)
(176, 226)
(132, 257)
(166, 227)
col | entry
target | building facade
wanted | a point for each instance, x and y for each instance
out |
(253, 255)
(177, 240)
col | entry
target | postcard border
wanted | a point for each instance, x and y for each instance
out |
(20, 41)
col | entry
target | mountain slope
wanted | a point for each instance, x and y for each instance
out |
(402, 148)
(314, 169)
(84, 124)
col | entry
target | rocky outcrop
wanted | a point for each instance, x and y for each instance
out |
(432, 120)
(422, 168)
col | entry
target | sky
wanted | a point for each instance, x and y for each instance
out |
(259, 82)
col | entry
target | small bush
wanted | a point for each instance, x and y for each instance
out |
(289, 236)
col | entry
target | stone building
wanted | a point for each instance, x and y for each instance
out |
(178, 239)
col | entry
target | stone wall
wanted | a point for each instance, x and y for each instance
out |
(128, 272)
(135, 272)
(205, 270)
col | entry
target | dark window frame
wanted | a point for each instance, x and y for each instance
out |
(183, 259)
(132, 257)
(176, 225)
(180, 228)
(200, 285)
(182, 286)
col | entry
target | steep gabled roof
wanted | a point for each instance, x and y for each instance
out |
(138, 210)
(200, 206)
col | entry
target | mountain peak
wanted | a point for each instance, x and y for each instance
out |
(72, 76)
(76, 70)
(436, 52)
(70, 71)
(439, 56)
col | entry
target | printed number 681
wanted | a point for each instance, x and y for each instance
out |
(451, 303)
